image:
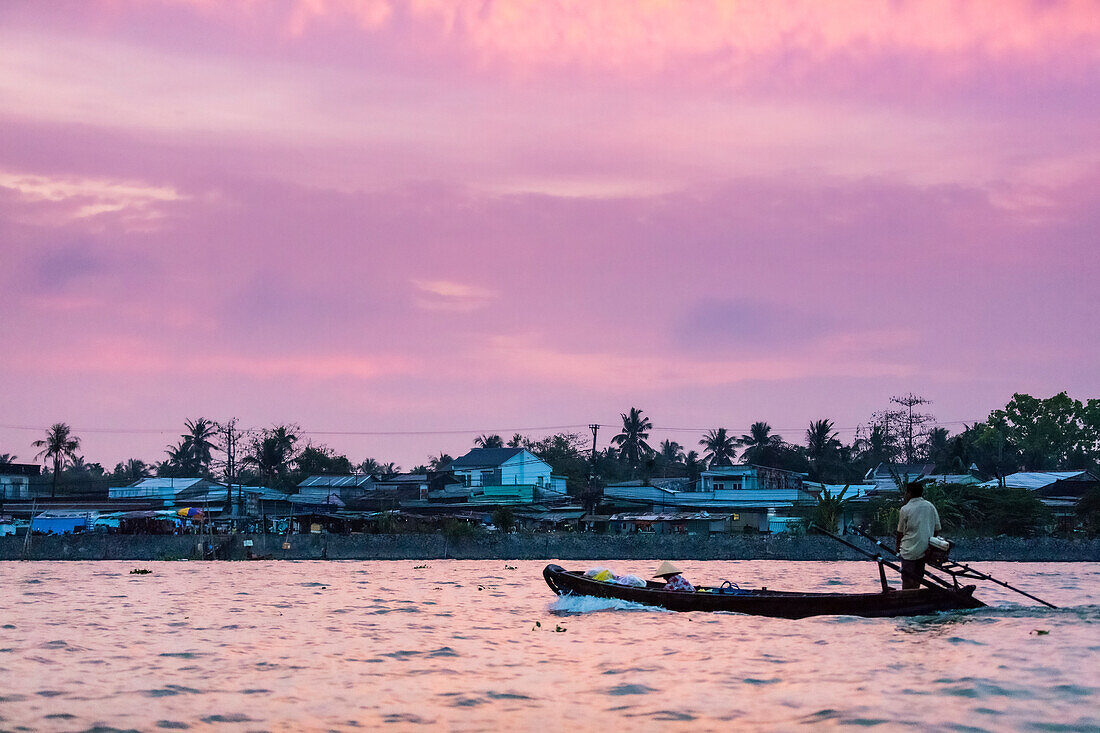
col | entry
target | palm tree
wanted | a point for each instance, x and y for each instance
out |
(517, 441)
(489, 441)
(388, 469)
(830, 509)
(936, 447)
(133, 470)
(720, 447)
(370, 467)
(760, 445)
(59, 445)
(632, 440)
(437, 463)
(822, 443)
(694, 465)
(8, 457)
(671, 451)
(197, 445)
(273, 451)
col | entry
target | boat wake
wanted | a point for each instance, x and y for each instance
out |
(574, 605)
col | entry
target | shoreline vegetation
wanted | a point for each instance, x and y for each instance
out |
(1058, 433)
(535, 546)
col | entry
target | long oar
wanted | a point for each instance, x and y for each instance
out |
(930, 581)
(976, 574)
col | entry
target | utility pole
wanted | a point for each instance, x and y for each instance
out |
(589, 498)
(232, 436)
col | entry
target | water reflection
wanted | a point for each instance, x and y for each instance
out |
(475, 645)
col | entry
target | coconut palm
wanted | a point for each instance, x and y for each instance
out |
(489, 441)
(8, 457)
(197, 445)
(438, 463)
(273, 452)
(671, 451)
(388, 469)
(822, 444)
(694, 465)
(720, 447)
(370, 467)
(517, 441)
(59, 446)
(761, 447)
(632, 444)
(936, 447)
(132, 470)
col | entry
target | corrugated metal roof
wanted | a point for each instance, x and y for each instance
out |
(670, 517)
(1037, 479)
(332, 480)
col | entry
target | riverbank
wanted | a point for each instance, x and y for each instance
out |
(512, 547)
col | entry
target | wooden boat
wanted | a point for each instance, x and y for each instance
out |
(764, 602)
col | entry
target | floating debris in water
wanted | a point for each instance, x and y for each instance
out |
(1040, 632)
(510, 567)
(559, 629)
(140, 571)
(420, 567)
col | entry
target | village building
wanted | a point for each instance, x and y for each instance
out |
(170, 492)
(756, 498)
(1059, 490)
(16, 480)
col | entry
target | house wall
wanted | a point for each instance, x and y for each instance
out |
(522, 468)
(15, 487)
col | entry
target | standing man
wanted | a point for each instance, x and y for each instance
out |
(918, 522)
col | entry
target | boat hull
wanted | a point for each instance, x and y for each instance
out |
(777, 604)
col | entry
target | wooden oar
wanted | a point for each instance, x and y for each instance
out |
(965, 572)
(929, 581)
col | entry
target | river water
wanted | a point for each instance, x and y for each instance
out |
(476, 645)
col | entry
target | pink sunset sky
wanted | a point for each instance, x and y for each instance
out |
(372, 216)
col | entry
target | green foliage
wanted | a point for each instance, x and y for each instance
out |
(272, 454)
(505, 519)
(1049, 433)
(320, 459)
(455, 530)
(971, 510)
(1088, 512)
(830, 509)
(567, 456)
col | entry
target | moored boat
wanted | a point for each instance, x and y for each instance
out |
(764, 602)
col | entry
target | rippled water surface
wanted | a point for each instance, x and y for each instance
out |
(485, 645)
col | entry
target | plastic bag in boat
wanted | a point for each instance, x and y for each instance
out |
(631, 580)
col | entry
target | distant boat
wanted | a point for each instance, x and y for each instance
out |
(764, 602)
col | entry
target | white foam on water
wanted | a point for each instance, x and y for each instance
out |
(593, 604)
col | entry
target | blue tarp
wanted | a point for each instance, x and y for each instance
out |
(58, 525)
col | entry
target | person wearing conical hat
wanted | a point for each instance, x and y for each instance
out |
(673, 579)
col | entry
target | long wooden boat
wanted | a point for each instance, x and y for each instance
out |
(764, 602)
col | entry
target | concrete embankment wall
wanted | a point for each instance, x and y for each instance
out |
(513, 547)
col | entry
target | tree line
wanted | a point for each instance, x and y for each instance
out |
(1029, 433)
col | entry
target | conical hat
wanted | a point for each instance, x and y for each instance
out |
(666, 569)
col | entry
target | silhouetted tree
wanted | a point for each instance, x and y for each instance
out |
(631, 442)
(489, 441)
(59, 446)
(720, 447)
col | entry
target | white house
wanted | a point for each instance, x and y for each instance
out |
(504, 467)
